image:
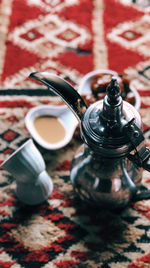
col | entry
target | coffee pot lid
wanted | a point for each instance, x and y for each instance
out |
(104, 123)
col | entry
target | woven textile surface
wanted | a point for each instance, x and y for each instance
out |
(69, 38)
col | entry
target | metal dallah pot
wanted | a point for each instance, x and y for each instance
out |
(107, 168)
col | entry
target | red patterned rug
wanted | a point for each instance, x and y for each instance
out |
(69, 38)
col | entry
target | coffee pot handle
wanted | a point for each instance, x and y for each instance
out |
(142, 153)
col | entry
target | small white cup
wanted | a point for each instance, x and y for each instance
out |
(26, 164)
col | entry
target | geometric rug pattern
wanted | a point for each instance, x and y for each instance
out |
(69, 38)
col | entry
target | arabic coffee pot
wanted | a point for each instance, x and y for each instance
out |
(107, 168)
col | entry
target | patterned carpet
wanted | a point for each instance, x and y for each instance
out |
(69, 38)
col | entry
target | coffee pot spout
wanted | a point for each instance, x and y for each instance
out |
(62, 88)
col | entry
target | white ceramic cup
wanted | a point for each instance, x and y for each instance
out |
(26, 164)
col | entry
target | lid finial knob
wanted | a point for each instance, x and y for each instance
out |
(113, 92)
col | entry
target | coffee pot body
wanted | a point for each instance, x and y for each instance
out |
(101, 172)
(106, 182)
